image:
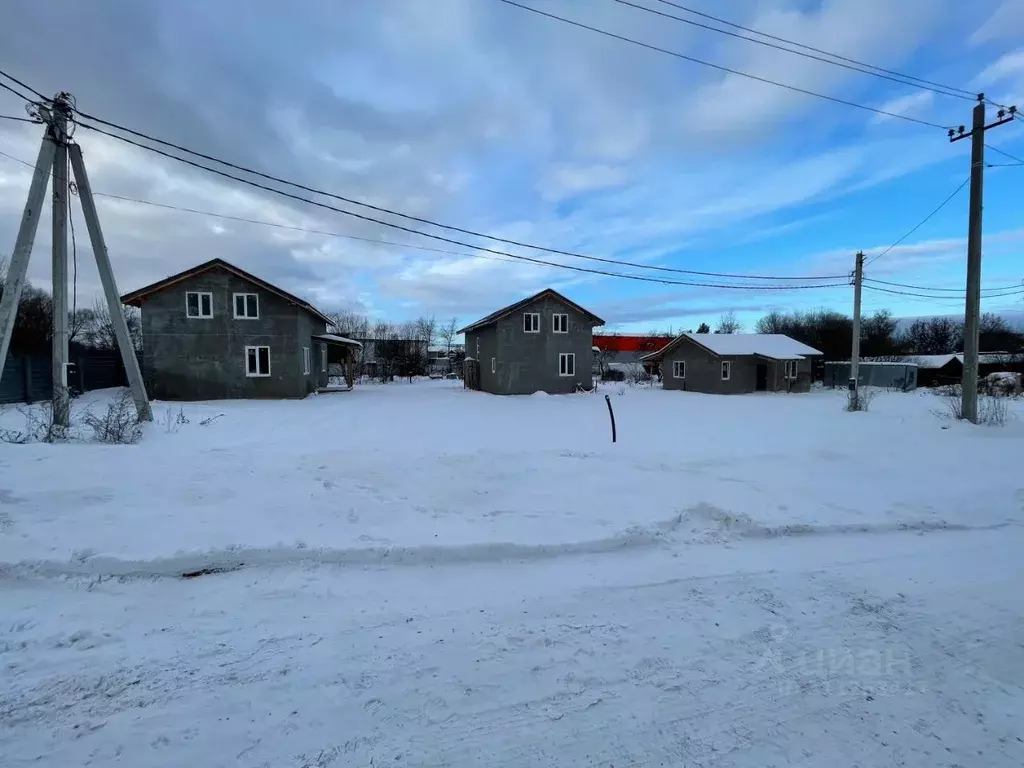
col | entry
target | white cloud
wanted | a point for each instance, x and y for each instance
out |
(1006, 66)
(910, 104)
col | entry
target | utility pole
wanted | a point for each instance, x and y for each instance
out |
(54, 154)
(972, 303)
(858, 277)
(58, 130)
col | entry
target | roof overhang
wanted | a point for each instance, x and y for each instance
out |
(340, 341)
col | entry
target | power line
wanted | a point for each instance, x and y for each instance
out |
(934, 288)
(325, 233)
(920, 223)
(817, 50)
(441, 238)
(721, 68)
(15, 91)
(853, 66)
(23, 85)
(1005, 154)
(439, 225)
(1018, 292)
(19, 119)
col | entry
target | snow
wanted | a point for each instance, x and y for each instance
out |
(340, 339)
(429, 575)
(774, 345)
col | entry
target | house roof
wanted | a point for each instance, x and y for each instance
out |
(338, 339)
(776, 346)
(135, 298)
(626, 343)
(511, 308)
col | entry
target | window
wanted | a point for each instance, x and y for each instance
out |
(679, 369)
(726, 370)
(494, 365)
(531, 322)
(566, 364)
(305, 361)
(560, 323)
(199, 305)
(323, 357)
(247, 306)
(791, 366)
(257, 361)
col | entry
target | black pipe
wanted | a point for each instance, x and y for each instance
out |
(611, 415)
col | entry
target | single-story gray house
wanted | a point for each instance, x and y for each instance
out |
(734, 363)
(217, 331)
(540, 344)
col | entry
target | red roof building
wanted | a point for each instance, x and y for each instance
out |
(640, 345)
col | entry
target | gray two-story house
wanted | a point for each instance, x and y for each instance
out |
(217, 331)
(540, 344)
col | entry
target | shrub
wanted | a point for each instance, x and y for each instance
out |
(859, 399)
(119, 425)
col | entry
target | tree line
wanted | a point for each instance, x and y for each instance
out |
(401, 350)
(87, 327)
(831, 332)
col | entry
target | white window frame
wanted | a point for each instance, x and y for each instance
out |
(534, 322)
(562, 327)
(245, 304)
(792, 369)
(726, 370)
(323, 358)
(249, 374)
(678, 369)
(199, 304)
(306, 361)
(494, 365)
(563, 357)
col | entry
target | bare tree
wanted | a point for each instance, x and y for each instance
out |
(99, 332)
(446, 333)
(728, 323)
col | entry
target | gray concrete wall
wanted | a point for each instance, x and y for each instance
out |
(704, 372)
(528, 362)
(197, 359)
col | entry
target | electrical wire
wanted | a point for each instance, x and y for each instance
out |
(854, 66)
(921, 223)
(410, 230)
(1019, 292)
(15, 91)
(933, 288)
(816, 50)
(288, 227)
(27, 87)
(448, 227)
(1005, 154)
(721, 68)
(20, 119)
(73, 190)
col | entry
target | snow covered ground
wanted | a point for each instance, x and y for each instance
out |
(430, 576)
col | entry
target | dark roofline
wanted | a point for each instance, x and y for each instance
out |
(658, 353)
(135, 298)
(505, 311)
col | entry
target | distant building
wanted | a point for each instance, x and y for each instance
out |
(733, 363)
(619, 355)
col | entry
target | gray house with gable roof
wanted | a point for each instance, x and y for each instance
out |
(217, 331)
(540, 344)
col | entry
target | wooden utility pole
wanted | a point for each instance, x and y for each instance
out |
(972, 303)
(54, 154)
(858, 277)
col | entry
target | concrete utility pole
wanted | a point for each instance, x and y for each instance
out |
(54, 154)
(972, 303)
(58, 130)
(858, 277)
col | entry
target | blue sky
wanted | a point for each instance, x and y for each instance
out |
(478, 114)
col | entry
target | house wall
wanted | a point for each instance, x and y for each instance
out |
(308, 325)
(197, 359)
(704, 372)
(528, 362)
(482, 345)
